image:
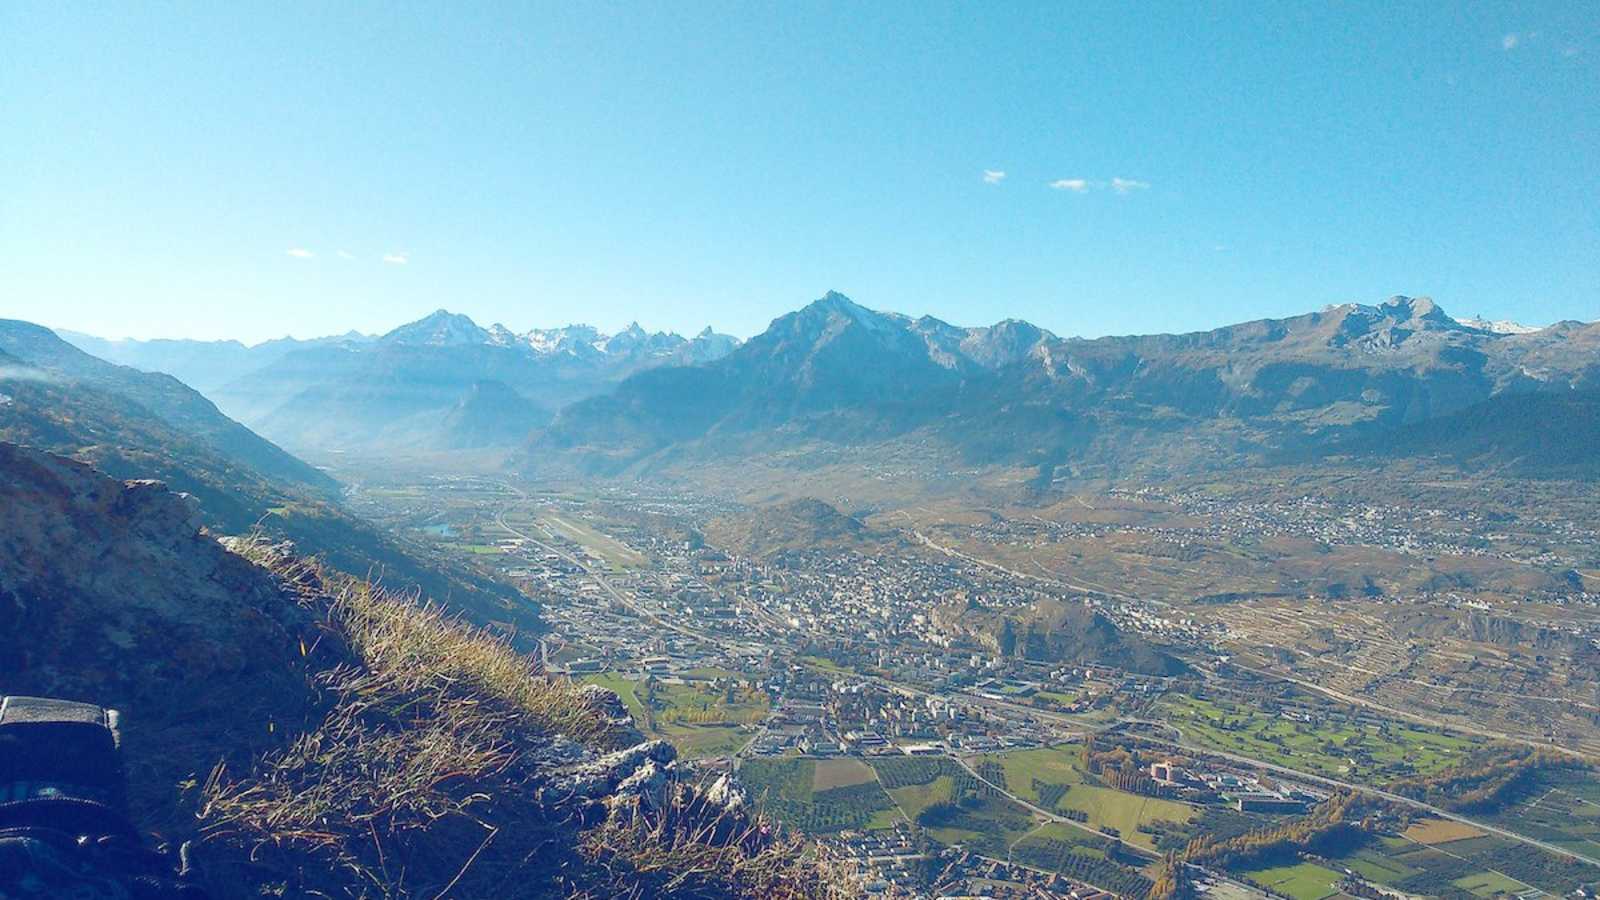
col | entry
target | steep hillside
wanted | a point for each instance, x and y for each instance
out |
(1055, 632)
(171, 400)
(304, 732)
(489, 414)
(806, 523)
(837, 373)
(1537, 435)
(93, 420)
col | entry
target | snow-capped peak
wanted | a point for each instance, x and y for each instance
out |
(440, 328)
(1500, 326)
(446, 329)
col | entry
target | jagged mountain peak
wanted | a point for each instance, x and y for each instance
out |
(439, 328)
(501, 336)
(1416, 309)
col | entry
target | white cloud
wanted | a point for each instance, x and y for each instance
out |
(1510, 41)
(1076, 185)
(1124, 185)
(24, 373)
(300, 253)
(346, 254)
(397, 259)
(993, 176)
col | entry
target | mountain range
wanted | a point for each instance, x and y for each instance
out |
(836, 373)
(442, 382)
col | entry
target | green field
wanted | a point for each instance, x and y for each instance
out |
(699, 719)
(1060, 847)
(1484, 866)
(1487, 884)
(914, 798)
(1304, 881)
(1374, 753)
(1057, 698)
(976, 816)
(1378, 866)
(1561, 807)
(1037, 776)
(624, 688)
(786, 789)
(825, 664)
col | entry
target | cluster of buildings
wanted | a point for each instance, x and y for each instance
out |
(1239, 789)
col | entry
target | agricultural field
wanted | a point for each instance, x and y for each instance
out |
(1373, 753)
(1302, 881)
(789, 790)
(955, 808)
(1076, 853)
(698, 717)
(627, 689)
(1440, 831)
(838, 773)
(1482, 866)
(1560, 807)
(1053, 778)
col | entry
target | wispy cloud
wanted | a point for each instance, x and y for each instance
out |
(1510, 41)
(346, 254)
(1125, 185)
(300, 253)
(396, 259)
(1076, 185)
(993, 176)
(24, 373)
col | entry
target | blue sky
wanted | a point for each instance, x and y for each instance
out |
(223, 170)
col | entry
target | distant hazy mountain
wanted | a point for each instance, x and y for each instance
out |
(445, 382)
(202, 365)
(836, 373)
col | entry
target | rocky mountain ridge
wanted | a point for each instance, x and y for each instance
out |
(836, 373)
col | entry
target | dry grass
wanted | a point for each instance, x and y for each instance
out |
(690, 851)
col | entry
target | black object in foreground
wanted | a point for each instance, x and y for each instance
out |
(64, 830)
